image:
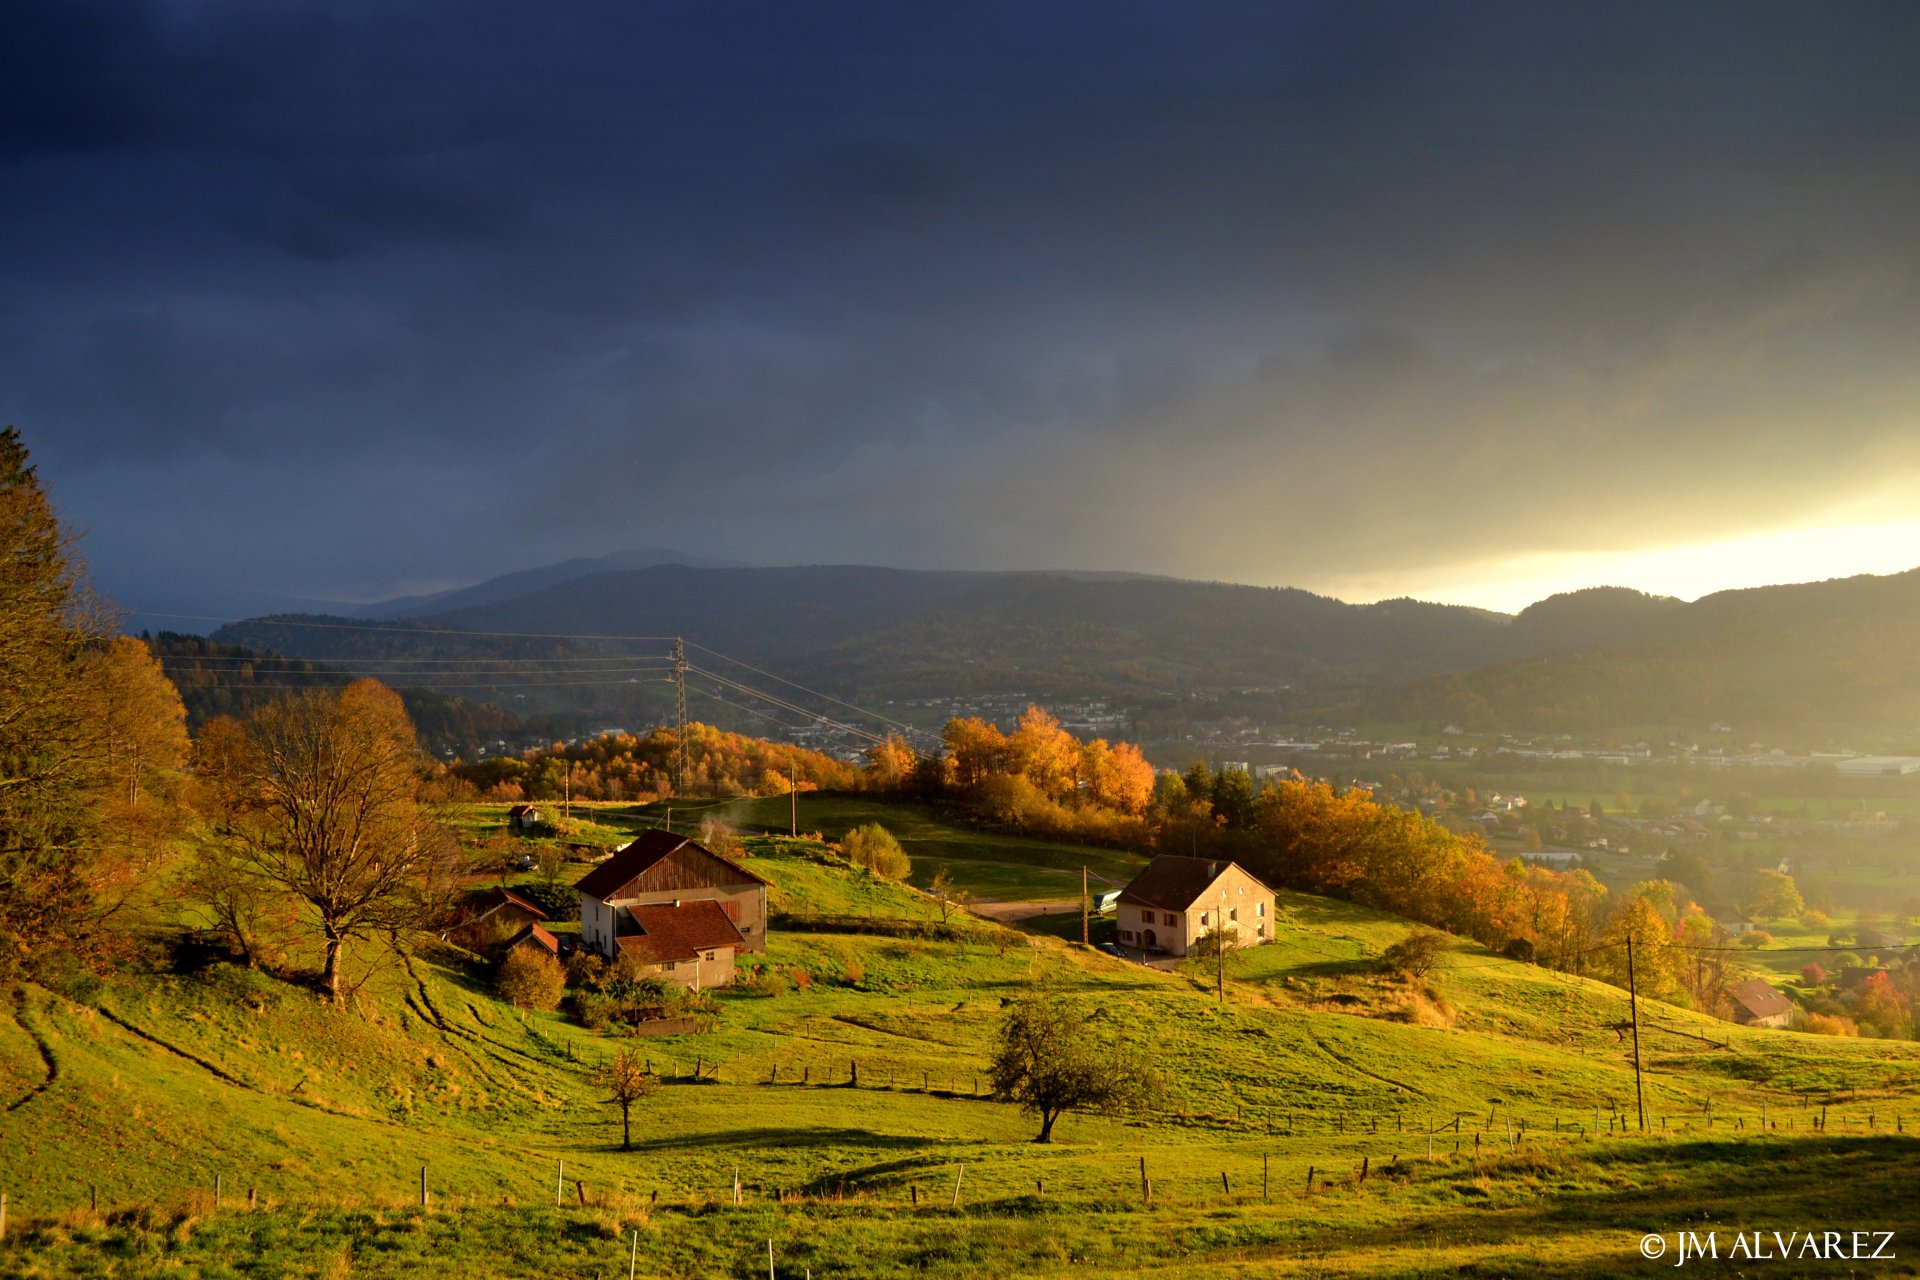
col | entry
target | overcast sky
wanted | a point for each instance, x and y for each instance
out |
(340, 300)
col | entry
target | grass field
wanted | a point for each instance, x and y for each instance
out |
(152, 1089)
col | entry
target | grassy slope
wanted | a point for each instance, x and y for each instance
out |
(165, 1082)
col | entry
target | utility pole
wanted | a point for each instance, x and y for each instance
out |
(1084, 935)
(793, 798)
(1633, 1006)
(679, 716)
(568, 802)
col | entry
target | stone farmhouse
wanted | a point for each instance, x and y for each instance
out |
(1175, 902)
(1757, 1004)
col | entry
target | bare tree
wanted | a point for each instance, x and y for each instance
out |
(334, 819)
(626, 1077)
(1052, 1059)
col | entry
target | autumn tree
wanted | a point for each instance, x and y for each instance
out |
(333, 817)
(1053, 1058)
(974, 749)
(626, 1078)
(1775, 896)
(84, 724)
(138, 731)
(890, 764)
(1045, 754)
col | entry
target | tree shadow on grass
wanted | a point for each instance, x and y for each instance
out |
(765, 1136)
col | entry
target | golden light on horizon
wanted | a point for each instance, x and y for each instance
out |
(1686, 570)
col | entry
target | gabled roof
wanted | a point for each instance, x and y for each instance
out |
(670, 931)
(482, 905)
(539, 937)
(640, 857)
(1175, 884)
(1759, 999)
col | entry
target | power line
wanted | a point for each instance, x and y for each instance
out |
(270, 621)
(903, 727)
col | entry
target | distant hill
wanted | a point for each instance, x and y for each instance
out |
(1826, 660)
(508, 586)
(1830, 658)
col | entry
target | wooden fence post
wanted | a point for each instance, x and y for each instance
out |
(956, 1185)
(1225, 1186)
(1309, 1179)
(1263, 1175)
(423, 1186)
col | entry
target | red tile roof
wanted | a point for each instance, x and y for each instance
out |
(670, 932)
(640, 857)
(1174, 884)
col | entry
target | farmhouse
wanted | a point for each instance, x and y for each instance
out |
(661, 870)
(1757, 1004)
(1177, 901)
(523, 816)
(691, 943)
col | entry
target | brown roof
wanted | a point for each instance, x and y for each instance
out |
(1759, 999)
(481, 905)
(640, 857)
(538, 937)
(679, 932)
(1174, 884)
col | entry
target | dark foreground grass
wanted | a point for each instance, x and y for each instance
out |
(1546, 1212)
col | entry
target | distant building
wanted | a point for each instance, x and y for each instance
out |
(1756, 1004)
(1175, 902)
(1879, 766)
(523, 816)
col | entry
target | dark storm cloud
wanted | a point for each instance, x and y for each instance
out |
(339, 298)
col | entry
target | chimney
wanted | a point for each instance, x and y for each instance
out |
(1213, 868)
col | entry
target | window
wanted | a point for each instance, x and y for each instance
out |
(1260, 908)
(672, 965)
(1260, 931)
(1146, 917)
(1203, 919)
(1171, 919)
(1126, 935)
(1234, 915)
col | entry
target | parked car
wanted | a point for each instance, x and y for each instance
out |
(1115, 949)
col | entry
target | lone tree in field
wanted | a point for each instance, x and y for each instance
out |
(1416, 954)
(333, 817)
(626, 1077)
(1052, 1060)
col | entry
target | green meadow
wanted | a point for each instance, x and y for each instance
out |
(1324, 1119)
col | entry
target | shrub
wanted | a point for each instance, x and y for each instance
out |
(530, 979)
(1812, 975)
(856, 973)
(1755, 938)
(1821, 1024)
(1520, 949)
(874, 847)
(1415, 954)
